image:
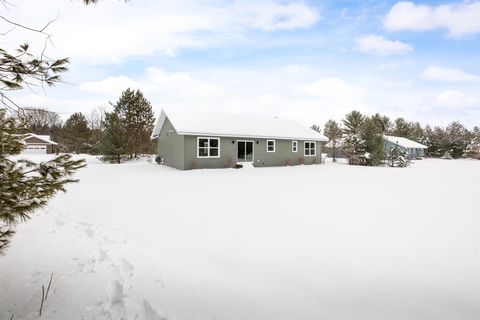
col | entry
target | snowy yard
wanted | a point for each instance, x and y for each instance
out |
(141, 241)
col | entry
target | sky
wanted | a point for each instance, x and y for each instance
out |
(305, 60)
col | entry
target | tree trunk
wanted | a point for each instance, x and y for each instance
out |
(334, 149)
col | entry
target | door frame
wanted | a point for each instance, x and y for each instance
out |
(253, 151)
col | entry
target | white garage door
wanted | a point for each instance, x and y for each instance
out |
(35, 149)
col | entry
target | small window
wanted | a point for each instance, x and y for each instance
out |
(294, 146)
(310, 148)
(208, 147)
(270, 145)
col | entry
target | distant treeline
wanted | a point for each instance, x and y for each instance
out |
(360, 134)
(117, 135)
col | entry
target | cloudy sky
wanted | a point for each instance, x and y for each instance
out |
(304, 60)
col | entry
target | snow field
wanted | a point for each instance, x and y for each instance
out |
(141, 241)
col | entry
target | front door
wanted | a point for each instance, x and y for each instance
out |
(244, 151)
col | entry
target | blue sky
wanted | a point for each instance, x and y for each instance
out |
(304, 60)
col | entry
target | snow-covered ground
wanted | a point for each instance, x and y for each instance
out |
(145, 242)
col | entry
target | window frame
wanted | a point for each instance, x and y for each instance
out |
(208, 148)
(295, 143)
(274, 145)
(310, 149)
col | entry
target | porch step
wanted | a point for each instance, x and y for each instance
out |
(245, 165)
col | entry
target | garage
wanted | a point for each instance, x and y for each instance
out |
(35, 149)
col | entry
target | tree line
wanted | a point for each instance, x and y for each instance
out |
(360, 136)
(117, 135)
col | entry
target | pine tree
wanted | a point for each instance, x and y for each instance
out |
(458, 138)
(76, 133)
(382, 122)
(398, 157)
(24, 185)
(137, 118)
(372, 142)
(353, 144)
(473, 148)
(113, 143)
(401, 128)
(333, 132)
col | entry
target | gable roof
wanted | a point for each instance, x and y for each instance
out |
(225, 125)
(45, 138)
(405, 143)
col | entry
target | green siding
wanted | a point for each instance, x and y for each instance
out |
(180, 151)
(282, 156)
(170, 146)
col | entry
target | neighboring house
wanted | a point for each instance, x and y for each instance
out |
(220, 141)
(414, 149)
(40, 144)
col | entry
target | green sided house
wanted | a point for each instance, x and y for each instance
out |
(222, 141)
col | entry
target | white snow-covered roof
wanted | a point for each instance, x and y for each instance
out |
(45, 138)
(228, 125)
(405, 143)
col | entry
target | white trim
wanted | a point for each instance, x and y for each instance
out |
(253, 150)
(295, 142)
(208, 148)
(314, 149)
(274, 145)
(40, 137)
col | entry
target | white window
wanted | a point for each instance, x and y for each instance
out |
(208, 147)
(270, 145)
(310, 148)
(294, 146)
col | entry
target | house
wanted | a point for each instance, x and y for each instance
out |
(39, 144)
(414, 149)
(221, 141)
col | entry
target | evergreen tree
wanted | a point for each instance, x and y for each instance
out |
(25, 185)
(372, 139)
(353, 145)
(401, 128)
(382, 122)
(458, 137)
(473, 148)
(76, 133)
(353, 122)
(398, 157)
(137, 118)
(113, 142)
(333, 132)
(416, 132)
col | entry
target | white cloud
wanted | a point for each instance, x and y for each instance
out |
(156, 81)
(111, 86)
(460, 19)
(454, 99)
(333, 88)
(379, 45)
(271, 15)
(437, 73)
(112, 31)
